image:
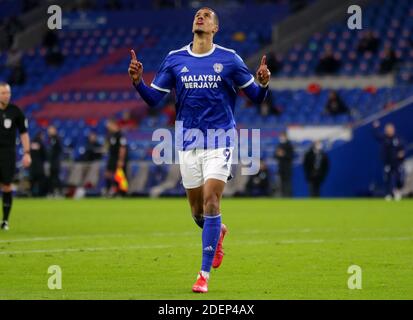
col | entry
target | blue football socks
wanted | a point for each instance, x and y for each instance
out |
(210, 238)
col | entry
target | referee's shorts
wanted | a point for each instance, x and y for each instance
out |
(7, 165)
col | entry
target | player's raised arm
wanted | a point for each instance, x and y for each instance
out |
(151, 96)
(257, 93)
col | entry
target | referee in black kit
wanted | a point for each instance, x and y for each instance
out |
(11, 119)
(118, 156)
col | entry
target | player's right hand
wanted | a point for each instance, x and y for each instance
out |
(135, 68)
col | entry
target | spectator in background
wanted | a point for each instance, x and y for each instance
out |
(93, 149)
(284, 154)
(329, 62)
(53, 57)
(14, 62)
(259, 184)
(14, 57)
(37, 174)
(50, 39)
(84, 174)
(369, 42)
(12, 26)
(388, 61)
(393, 157)
(335, 105)
(273, 63)
(117, 159)
(17, 75)
(127, 122)
(55, 154)
(316, 167)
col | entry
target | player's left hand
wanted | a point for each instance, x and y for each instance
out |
(263, 74)
(27, 160)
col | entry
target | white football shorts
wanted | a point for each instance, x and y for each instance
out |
(199, 165)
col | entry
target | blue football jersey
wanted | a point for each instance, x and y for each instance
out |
(206, 87)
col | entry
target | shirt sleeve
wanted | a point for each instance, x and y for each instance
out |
(241, 75)
(21, 122)
(164, 80)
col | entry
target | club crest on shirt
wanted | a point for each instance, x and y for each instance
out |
(7, 123)
(218, 67)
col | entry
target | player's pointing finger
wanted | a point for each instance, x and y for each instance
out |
(264, 60)
(133, 55)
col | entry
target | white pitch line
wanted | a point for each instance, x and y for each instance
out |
(173, 234)
(292, 241)
(155, 234)
(86, 249)
(165, 246)
(89, 236)
(383, 239)
(96, 236)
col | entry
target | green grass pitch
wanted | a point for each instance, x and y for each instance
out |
(151, 249)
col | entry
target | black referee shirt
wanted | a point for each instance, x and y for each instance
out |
(116, 140)
(11, 120)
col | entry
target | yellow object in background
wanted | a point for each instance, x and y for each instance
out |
(121, 180)
(239, 36)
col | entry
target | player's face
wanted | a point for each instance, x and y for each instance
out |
(5, 95)
(52, 131)
(111, 126)
(92, 137)
(389, 130)
(204, 22)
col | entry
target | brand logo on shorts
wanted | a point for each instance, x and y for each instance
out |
(218, 67)
(7, 123)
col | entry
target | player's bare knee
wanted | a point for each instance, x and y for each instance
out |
(211, 204)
